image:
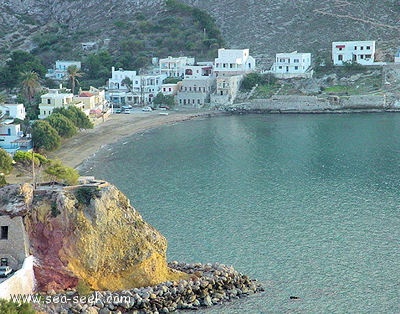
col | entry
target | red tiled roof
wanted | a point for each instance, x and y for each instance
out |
(86, 94)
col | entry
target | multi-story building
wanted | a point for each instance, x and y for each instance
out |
(60, 71)
(226, 91)
(54, 98)
(233, 62)
(195, 91)
(11, 135)
(294, 64)
(126, 87)
(362, 52)
(174, 67)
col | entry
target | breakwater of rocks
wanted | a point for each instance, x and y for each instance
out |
(208, 285)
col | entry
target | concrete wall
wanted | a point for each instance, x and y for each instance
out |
(22, 282)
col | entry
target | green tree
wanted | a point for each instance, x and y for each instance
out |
(64, 126)
(57, 171)
(25, 158)
(30, 83)
(6, 162)
(73, 73)
(44, 136)
(76, 115)
(20, 62)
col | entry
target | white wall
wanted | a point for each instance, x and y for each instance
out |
(21, 282)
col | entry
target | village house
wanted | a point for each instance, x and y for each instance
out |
(127, 87)
(233, 62)
(227, 89)
(195, 92)
(11, 136)
(93, 100)
(362, 52)
(60, 71)
(197, 85)
(294, 64)
(14, 243)
(54, 98)
(174, 67)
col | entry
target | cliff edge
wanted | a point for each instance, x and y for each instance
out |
(88, 233)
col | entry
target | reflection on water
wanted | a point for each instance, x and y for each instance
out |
(307, 204)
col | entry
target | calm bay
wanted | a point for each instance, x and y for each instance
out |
(307, 204)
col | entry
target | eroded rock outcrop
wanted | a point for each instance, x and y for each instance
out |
(91, 233)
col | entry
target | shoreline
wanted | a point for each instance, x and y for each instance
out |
(78, 149)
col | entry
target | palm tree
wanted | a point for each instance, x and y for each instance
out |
(30, 82)
(73, 73)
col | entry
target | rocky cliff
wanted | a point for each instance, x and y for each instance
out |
(90, 234)
(266, 27)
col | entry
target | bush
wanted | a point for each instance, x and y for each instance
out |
(84, 194)
(10, 307)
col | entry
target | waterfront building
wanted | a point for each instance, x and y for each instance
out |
(174, 67)
(60, 70)
(195, 91)
(127, 87)
(362, 52)
(293, 64)
(226, 89)
(233, 62)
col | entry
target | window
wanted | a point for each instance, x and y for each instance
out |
(296, 67)
(368, 56)
(4, 233)
(368, 47)
(296, 60)
(355, 47)
(340, 48)
(280, 67)
(361, 48)
(340, 57)
(48, 101)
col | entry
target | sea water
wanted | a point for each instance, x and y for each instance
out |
(307, 204)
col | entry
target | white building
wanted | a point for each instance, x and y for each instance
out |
(11, 135)
(16, 111)
(59, 73)
(140, 89)
(294, 64)
(54, 98)
(174, 67)
(362, 52)
(233, 62)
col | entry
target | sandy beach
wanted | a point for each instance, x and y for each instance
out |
(76, 150)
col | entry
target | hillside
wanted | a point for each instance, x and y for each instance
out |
(266, 27)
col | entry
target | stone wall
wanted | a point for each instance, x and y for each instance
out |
(314, 104)
(16, 247)
(22, 282)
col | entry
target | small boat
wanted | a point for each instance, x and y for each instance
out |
(163, 113)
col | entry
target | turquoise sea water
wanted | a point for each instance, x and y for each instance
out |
(307, 204)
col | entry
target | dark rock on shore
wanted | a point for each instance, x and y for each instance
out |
(209, 284)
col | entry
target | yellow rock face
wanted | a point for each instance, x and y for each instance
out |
(94, 234)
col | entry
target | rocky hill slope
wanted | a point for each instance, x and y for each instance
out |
(89, 234)
(266, 27)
